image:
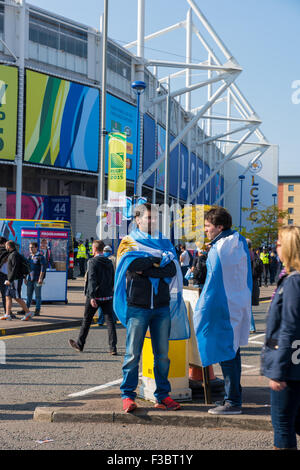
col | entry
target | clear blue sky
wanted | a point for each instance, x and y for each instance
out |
(263, 35)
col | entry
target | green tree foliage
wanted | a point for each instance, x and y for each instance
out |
(265, 228)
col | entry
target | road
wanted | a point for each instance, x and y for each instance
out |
(41, 369)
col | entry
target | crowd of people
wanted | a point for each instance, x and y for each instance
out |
(15, 270)
(143, 287)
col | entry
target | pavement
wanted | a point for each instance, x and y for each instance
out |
(106, 406)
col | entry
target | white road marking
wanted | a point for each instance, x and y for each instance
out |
(256, 336)
(99, 387)
(95, 389)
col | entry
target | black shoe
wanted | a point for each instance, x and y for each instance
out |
(74, 345)
(114, 352)
(37, 313)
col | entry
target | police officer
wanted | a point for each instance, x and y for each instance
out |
(81, 256)
(264, 256)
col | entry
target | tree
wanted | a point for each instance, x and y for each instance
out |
(266, 226)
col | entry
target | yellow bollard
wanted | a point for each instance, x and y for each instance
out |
(178, 373)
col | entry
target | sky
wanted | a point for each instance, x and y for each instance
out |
(263, 36)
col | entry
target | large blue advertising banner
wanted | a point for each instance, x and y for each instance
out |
(161, 146)
(193, 173)
(149, 147)
(121, 117)
(200, 179)
(174, 170)
(207, 186)
(184, 172)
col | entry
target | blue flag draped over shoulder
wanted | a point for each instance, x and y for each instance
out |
(137, 245)
(223, 312)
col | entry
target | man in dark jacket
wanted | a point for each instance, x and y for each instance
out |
(3, 269)
(99, 293)
(147, 307)
(13, 283)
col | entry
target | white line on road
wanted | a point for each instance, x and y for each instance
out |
(256, 336)
(95, 389)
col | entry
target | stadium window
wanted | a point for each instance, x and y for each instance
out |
(290, 221)
(291, 199)
(290, 210)
(291, 187)
(51, 33)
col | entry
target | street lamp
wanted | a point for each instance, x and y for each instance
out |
(138, 87)
(274, 196)
(241, 178)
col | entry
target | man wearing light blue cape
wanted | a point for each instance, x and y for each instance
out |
(223, 312)
(148, 293)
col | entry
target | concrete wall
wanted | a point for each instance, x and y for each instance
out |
(83, 216)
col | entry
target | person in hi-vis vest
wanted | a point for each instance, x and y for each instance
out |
(81, 256)
(264, 256)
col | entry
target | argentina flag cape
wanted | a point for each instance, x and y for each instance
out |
(223, 312)
(139, 244)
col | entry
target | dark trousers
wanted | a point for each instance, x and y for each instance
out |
(89, 312)
(285, 414)
(266, 273)
(3, 278)
(232, 380)
(81, 262)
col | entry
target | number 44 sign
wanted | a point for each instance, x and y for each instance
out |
(59, 208)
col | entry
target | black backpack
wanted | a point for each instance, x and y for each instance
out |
(200, 269)
(24, 266)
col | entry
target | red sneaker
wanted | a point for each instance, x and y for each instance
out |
(168, 404)
(129, 405)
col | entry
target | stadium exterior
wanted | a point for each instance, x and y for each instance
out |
(50, 72)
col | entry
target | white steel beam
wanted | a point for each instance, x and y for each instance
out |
(169, 63)
(144, 176)
(210, 30)
(189, 88)
(218, 136)
(180, 24)
(222, 163)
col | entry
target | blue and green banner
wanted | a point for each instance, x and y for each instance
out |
(62, 123)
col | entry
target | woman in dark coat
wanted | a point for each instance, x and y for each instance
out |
(281, 351)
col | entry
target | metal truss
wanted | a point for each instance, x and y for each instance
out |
(239, 116)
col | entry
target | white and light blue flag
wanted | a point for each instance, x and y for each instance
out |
(139, 244)
(223, 312)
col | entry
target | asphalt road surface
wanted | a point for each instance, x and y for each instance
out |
(41, 369)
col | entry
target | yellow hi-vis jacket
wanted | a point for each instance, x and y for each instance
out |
(81, 251)
(265, 258)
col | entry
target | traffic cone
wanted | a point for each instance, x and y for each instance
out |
(196, 374)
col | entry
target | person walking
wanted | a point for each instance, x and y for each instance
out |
(81, 257)
(223, 312)
(3, 270)
(15, 275)
(199, 269)
(273, 266)
(184, 263)
(280, 358)
(264, 256)
(99, 293)
(36, 277)
(148, 290)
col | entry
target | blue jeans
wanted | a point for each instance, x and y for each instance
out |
(232, 380)
(285, 414)
(37, 288)
(252, 326)
(159, 322)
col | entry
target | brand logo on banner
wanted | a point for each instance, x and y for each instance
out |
(116, 170)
